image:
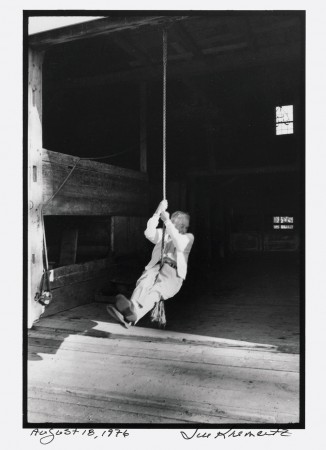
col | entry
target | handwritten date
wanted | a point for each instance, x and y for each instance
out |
(48, 436)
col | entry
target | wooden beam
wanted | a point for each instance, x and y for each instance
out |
(186, 55)
(143, 127)
(187, 40)
(61, 159)
(245, 171)
(95, 28)
(35, 184)
(93, 188)
(75, 273)
(127, 44)
(188, 69)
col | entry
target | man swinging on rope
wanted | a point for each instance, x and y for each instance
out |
(159, 281)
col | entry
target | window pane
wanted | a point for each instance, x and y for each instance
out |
(290, 128)
(284, 128)
(284, 119)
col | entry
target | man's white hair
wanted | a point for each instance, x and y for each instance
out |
(179, 214)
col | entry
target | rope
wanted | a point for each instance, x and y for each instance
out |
(127, 150)
(164, 131)
(158, 314)
(164, 110)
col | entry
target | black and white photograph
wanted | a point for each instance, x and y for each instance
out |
(164, 219)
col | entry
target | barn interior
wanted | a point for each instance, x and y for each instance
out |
(102, 127)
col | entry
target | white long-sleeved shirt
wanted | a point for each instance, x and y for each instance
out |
(181, 242)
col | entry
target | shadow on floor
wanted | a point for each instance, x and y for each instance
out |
(48, 340)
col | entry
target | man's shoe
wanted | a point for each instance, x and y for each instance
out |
(112, 310)
(126, 308)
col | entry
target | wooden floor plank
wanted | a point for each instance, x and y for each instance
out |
(89, 413)
(113, 404)
(165, 365)
(236, 387)
(177, 347)
(209, 358)
(182, 384)
(174, 408)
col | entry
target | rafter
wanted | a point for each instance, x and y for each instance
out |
(126, 43)
(186, 40)
(94, 28)
(188, 69)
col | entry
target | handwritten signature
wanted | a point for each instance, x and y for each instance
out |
(234, 433)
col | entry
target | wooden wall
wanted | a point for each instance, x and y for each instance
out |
(77, 284)
(117, 196)
(233, 215)
(93, 188)
(128, 235)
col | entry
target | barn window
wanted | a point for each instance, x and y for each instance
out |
(284, 119)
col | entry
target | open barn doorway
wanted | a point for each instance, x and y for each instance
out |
(235, 154)
(226, 164)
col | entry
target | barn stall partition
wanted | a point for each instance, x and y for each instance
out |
(115, 195)
(94, 189)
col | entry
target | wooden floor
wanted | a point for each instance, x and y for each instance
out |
(84, 369)
(253, 299)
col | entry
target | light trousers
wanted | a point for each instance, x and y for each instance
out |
(155, 285)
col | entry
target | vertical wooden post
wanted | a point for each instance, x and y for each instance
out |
(192, 207)
(219, 211)
(112, 243)
(143, 127)
(210, 142)
(68, 248)
(183, 196)
(207, 223)
(35, 226)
